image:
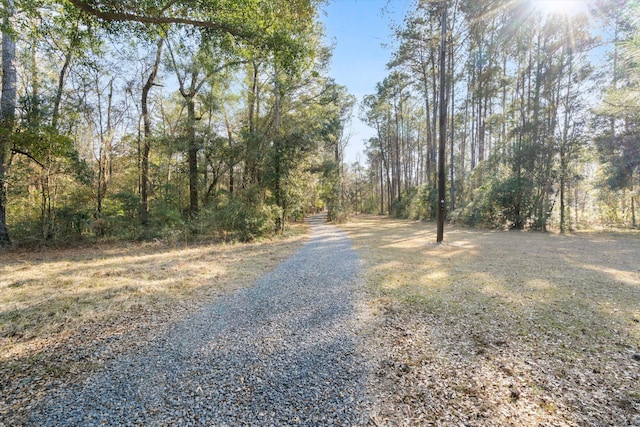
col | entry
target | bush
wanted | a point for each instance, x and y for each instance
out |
(337, 214)
(71, 222)
(481, 211)
(241, 220)
(507, 202)
(416, 203)
(119, 216)
(166, 223)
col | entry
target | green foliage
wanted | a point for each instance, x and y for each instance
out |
(270, 26)
(330, 191)
(72, 223)
(79, 137)
(477, 212)
(242, 220)
(509, 202)
(416, 203)
(506, 201)
(621, 156)
(119, 213)
(165, 218)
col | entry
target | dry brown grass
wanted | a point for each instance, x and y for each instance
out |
(63, 313)
(500, 328)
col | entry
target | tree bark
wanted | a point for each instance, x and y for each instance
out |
(231, 163)
(7, 114)
(192, 156)
(249, 175)
(564, 148)
(146, 144)
(443, 131)
(280, 200)
(452, 187)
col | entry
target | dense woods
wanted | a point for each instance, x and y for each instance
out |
(542, 114)
(161, 119)
(165, 120)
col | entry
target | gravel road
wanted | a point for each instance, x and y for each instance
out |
(279, 353)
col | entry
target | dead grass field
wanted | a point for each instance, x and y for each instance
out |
(64, 313)
(500, 328)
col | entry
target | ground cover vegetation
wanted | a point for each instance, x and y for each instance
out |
(66, 313)
(499, 328)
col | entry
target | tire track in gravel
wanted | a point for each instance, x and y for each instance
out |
(280, 353)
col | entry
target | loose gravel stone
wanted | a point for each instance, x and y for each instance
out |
(280, 353)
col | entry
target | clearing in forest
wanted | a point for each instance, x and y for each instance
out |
(500, 328)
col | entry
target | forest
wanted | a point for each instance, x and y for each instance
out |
(541, 107)
(217, 120)
(169, 120)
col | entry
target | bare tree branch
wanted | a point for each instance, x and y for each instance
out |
(87, 7)
(24, 153)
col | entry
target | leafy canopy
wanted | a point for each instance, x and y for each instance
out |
(274, 25)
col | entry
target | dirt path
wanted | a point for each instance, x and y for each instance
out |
(279, 353)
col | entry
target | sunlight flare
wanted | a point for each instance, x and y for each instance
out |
(559, 7)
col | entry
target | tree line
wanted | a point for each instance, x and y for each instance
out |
(169, 119)
(153, 119)
(542, 113)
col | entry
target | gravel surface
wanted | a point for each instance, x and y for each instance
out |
(280, 353)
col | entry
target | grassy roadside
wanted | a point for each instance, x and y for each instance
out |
(64, 313)
(500, 328)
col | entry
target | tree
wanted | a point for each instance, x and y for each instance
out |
(66, 33)
(618, 143)
(146, 143)
(443, 129)
(520, 110)
(7, 111)
(267, 25)
(309, 116)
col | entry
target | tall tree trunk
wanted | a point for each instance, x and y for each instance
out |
(381, 188)
(452, 87)
(503, 134)
(7, 114)
(434, 123)
(471, 100)
(250, 176)
(106, 135)
(231, 163)
(192, 156)
(564, 147)
(280, 200)
(443, 131)
(481, 122)
(397, 176)
(68, 57)
(146, 144)
(462, 171)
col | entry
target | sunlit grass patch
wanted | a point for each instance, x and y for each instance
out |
(61, 311)
(518, 328)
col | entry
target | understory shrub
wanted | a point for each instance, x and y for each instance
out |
(416, 203)
(241, 220)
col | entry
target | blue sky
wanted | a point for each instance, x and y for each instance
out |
(358, 28)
